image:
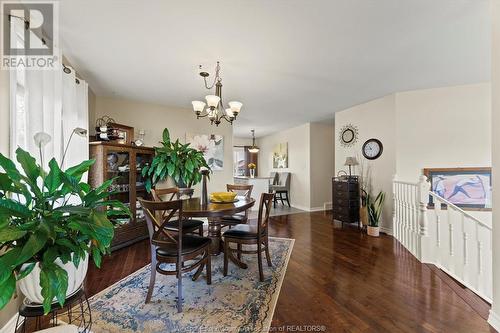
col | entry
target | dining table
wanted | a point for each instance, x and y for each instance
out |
(214, 211)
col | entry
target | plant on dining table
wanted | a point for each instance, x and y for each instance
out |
(174, 159)
(49, 215)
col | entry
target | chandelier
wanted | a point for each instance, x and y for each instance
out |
(215, 108)
(254, 149)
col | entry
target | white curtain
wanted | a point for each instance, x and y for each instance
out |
(75, 111)
(49, 101)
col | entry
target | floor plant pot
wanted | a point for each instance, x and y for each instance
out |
(373, 231)
(30, 285)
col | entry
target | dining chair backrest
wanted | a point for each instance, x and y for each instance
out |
(244, 190)
(284, 179)
(158, 233)
(274, 178)
(266, 200)
(164, 193)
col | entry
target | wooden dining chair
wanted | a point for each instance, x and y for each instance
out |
(172, 193)
(168, 247)
(245, 234)
(239, 218)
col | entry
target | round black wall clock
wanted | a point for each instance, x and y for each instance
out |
(372, 149)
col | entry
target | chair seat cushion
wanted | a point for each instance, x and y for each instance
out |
(190, 244)
(186, 224)
(234, 219)
(242, 231)
(277, 188)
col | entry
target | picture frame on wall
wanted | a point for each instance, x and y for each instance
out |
(467, 188)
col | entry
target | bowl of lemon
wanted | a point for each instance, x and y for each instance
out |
(223, 197)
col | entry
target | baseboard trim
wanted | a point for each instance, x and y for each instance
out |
(10, 326)
(386, 230)
(308, 209)
(494, 320)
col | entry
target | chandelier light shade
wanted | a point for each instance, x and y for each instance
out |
(198, 106)
(215, 110)
(212, 101)
(254, 149)
(235, 106)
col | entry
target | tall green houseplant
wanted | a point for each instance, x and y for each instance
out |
(176, 160)
(375, 207)
(40, 222)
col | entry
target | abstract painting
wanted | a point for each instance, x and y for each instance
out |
(212, 146)
(464, 187)
(280, 156)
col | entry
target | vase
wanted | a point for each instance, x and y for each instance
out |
(373, 231)
(30, 284)
(363, 215)
(252, 173)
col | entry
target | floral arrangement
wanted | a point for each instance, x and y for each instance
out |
(252, 166)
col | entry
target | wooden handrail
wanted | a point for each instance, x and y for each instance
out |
(454, 207)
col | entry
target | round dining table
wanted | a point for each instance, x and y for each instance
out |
(214, 212)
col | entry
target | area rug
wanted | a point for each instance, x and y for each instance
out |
(235, 303)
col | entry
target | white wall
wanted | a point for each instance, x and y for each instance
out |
(154, 118)
(374, 119)
(242, 141)
(430, 128)
(494, 318)
(445, 127)
(322, 163)
(298, 139)
(310, 161)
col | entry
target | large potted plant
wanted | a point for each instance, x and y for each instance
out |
(49, 223)
(375, 206)
(176, 160)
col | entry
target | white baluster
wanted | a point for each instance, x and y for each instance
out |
(395, 202)
(465, 248)
(437, 211)
(450, 226)
(479, 257)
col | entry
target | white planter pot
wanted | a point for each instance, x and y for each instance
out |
(373, 231)
(30, 285)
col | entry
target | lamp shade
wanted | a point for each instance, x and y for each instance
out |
(212, 100)
(350, 161)
(235, 106)
(229, 113)
(198, 106)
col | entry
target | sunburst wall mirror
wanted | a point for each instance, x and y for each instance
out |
(348, 135)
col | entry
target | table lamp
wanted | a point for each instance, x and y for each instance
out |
(351, 161)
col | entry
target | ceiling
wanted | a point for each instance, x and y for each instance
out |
(287, 61)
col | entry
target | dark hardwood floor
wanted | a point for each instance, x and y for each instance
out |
(344, 281)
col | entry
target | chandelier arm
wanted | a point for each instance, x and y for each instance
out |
(207, 86)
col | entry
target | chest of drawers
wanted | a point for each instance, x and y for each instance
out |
(345, 200)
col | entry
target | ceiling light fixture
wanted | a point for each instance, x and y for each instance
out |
(254, 148)
(215, 109)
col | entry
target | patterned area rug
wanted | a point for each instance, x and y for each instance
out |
(235, 303)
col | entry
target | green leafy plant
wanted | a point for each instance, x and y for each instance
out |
(175, 160)
(375, 207)
(40, 221)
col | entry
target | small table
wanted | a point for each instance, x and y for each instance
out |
(76, 311)
(214, 211)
